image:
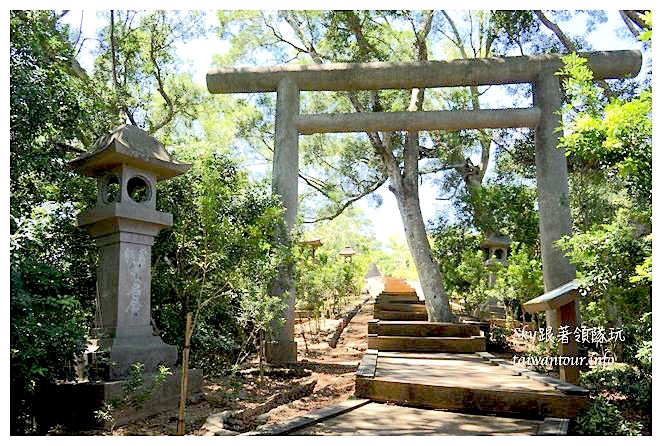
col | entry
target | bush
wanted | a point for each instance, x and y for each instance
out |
(324, 284)
(544, 349)
(497, 340)
(217, 260)
(622, 380)
(637, 348)
(521, 281)
(603, 418)
(47, 333)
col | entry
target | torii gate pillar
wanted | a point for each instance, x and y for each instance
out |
(282, 349)
(552, 183)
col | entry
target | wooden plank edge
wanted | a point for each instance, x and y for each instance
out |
(368, 365)
(553, 426)
(310, 418)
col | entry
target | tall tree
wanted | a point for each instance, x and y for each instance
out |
(137, 60)
(351, 36)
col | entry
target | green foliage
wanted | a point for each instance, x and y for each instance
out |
(513, 27)
(620, 380)
(135, 394)
(606, 257)
(613, 248)
(327, 281)
(506, 209)
(48, 332)
(137, 62)
(474, 272)
(617, 137)
(466, 275)
(638, 344)
(647, 34)
(521, 281)
(497, 340)
(603, 418)
(548, 348)
(450, 246)
(51, 104)
(217, 260)
(583, 96)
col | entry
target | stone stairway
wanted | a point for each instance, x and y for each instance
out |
(444, 366)
(399, 302)
(424, 337)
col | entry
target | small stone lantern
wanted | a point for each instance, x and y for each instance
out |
(313, 243)
(347, 252)
(127, 163)
(495, 245)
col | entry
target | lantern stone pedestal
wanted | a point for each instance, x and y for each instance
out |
(127, 163)
(123, 286)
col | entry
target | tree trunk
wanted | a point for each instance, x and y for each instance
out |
(405, 189)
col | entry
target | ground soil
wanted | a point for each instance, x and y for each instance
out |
(332, 368)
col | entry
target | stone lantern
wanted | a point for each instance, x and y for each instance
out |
(314, 243)
(347, 252)
(127, 163)
(496, 245)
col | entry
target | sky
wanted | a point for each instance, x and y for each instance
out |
(385, 219)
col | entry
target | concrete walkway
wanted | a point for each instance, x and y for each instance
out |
(387, 419)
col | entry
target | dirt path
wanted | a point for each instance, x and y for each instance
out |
(332, 368)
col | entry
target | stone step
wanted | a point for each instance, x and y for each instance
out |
(372, 341)
(518, 403)
(399, 316)
(404, 307)
(462, 382)
(398, 290)
(398, 299)
(395, 296)
(422, 328)
(447, 344)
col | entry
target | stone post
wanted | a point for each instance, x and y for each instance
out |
(552, 183)
(282, 349)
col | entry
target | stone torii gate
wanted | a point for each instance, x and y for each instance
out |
(544, 117)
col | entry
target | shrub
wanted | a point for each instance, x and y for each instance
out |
(622, 379)
(542, 350)
(47, 333)
(497, 340)
(603, 418)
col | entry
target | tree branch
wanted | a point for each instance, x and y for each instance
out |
(628, 21)
(635, 16)
(160, 87)
(568, 44)
(68, 148)
(349, 201)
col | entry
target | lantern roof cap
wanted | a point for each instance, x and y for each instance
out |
(373, 272)
(130, 145)
(496, 241)
(347, 251)
(312, 242)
